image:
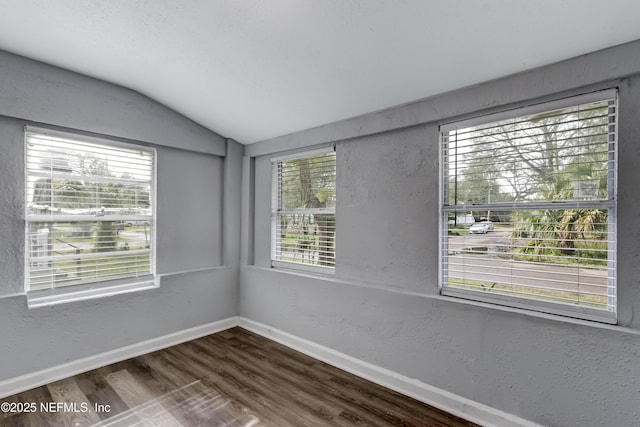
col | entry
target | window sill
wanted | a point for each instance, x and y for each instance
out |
(44, 298)
(316, 270)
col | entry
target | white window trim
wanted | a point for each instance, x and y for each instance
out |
(585, 313)
(43, 298)
(315, 269)
(67, 294)
(286, 265)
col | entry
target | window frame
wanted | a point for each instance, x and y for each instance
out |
(611, 204)
(101, 288)
(276, 211)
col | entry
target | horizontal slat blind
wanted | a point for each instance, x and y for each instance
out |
(304, 201)
(540, 189)
(89, 210)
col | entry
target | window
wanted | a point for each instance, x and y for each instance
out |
(528, 209)
(304, 215)
(89, 213)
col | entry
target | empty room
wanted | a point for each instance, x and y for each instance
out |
(319, 213)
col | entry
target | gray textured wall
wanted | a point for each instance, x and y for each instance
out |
(383, 305)
(198, 201)
(43, 93)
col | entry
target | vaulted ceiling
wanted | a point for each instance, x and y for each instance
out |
(256, 69)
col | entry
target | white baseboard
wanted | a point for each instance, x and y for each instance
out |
(449, 402)
(28, 381)
(452, 403)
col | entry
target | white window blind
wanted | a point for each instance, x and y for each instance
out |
(89, 211)
(304, 218)
(529, 208)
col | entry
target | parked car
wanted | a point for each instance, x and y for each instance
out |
(131, 222)
(481, 227)
(489, 225)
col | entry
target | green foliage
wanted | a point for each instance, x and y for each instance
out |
(576, 235)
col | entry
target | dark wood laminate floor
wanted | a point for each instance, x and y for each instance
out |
(232, 378)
